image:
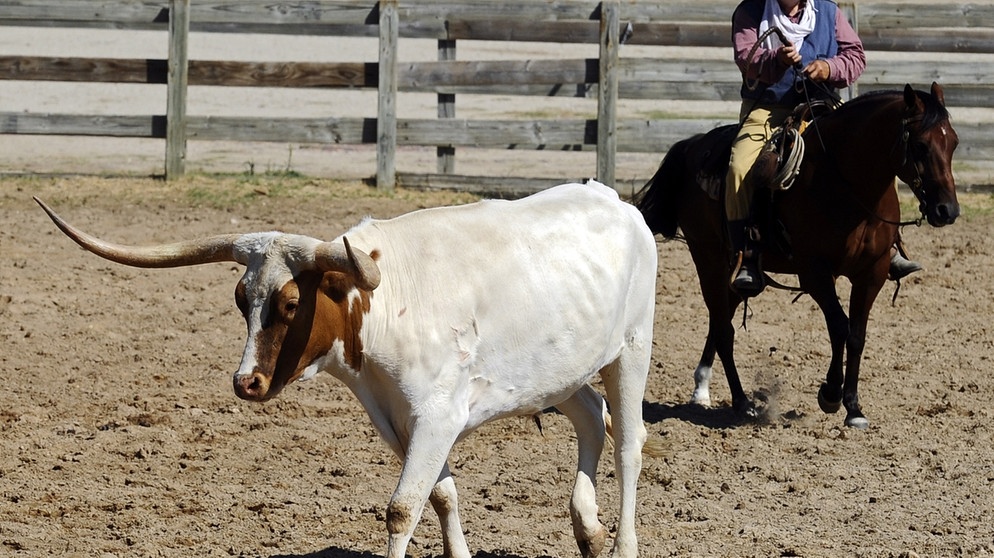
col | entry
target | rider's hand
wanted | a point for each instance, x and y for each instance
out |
(788, 55)
(817, 71)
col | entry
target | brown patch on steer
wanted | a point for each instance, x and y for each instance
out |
(305, 318)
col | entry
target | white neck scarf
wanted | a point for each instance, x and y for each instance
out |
(773, 16)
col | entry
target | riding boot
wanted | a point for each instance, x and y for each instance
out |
(901, 267)
(747, 278)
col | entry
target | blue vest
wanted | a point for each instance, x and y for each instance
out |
(820, 43)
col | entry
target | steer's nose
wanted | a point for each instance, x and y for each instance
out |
(252, 387)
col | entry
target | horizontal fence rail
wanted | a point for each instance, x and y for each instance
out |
(943, 28)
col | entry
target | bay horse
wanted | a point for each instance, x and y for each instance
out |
(841, 217)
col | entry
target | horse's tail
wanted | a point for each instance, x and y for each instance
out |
(659, 200)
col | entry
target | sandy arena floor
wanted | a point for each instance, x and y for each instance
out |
(120, 435)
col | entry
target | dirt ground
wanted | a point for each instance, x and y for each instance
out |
(120, 434)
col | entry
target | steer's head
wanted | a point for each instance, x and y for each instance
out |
(301, 298)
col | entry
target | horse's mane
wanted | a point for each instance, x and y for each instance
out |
(934, 113)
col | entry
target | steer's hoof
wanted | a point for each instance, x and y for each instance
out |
(590, 548)
(828, 405)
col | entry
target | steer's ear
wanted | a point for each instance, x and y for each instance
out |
(329, 256)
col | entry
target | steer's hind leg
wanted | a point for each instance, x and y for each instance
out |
(585, 409)
(624, 382)
(446, 504)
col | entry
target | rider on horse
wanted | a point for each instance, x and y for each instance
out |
(821, 53)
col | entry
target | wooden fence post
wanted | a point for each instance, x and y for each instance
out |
(386, 114)
(179, 33)
(607, 93)
(446, 154)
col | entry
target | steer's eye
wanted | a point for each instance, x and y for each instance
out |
(290, 307)
(241, 300)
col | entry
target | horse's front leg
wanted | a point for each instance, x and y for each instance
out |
(822, 290)
(862, 296)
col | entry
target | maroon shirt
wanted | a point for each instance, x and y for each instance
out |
(846, 66)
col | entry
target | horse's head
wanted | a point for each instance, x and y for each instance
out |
(929, 141)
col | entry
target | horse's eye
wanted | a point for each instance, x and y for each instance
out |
(919, 149)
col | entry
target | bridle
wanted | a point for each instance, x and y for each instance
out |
(916, 184)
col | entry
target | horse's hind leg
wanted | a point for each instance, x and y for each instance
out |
(721, 340)
(724, 335)
(702, 376)
(702, 380)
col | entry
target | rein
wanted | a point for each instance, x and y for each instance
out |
(801, 84)
(915, 185)
(752, 52)
(916, 222)
(790, 165)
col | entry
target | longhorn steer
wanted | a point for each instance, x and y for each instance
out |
(444, 319)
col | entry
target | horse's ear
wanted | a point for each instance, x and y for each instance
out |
(910, 97)
(937, 93)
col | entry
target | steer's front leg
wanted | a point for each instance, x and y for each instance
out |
(424, 464)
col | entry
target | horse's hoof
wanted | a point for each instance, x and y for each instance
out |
(859, 422)
(701, 398)
(746, 408)
(827, 405)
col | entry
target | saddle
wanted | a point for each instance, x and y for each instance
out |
(778, 163)
(775, 169)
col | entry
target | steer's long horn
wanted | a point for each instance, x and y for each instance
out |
(206, 250)
(329, 256)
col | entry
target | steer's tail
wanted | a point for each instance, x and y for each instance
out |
(653, 447)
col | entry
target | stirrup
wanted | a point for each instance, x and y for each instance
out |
(900, 267)
(747, 279)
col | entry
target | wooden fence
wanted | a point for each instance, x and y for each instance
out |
(887, 26)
